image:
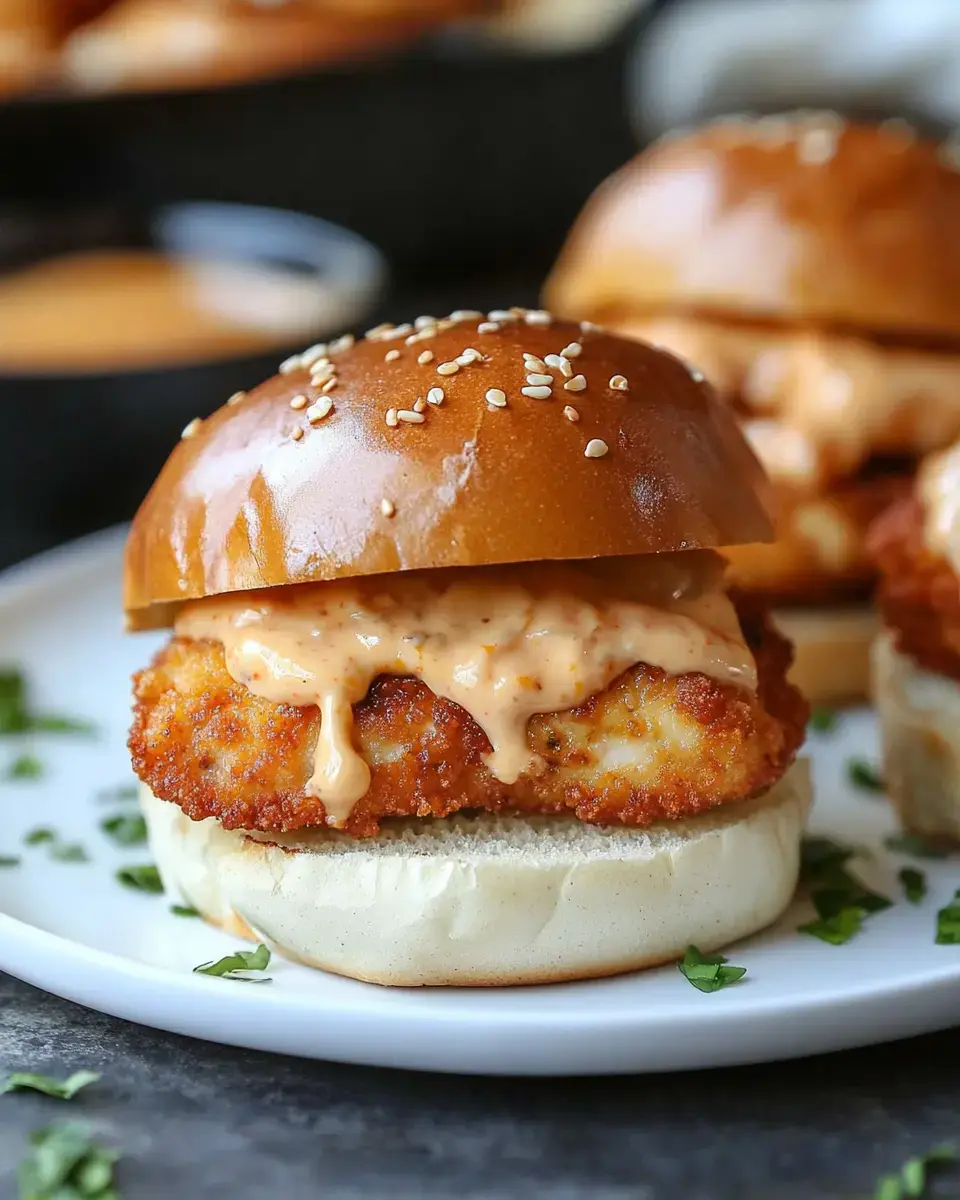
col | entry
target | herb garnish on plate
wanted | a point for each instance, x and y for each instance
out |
(60, 1089)
(708, 972)
(235, 966)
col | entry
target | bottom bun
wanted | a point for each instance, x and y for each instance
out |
(920, 725)
(832, 651)
(492, 900)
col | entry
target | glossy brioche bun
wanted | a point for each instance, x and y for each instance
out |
(794, 218)
(141, 45)
(259, 495)
(831, 663)
(919, 715)
(492, 901)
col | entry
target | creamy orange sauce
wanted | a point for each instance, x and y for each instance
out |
(116, 309)
(938, 484)
(504, 643)
(826, 403)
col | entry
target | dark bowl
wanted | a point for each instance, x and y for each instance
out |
(79, 451)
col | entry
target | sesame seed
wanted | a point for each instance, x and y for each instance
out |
(299, 402)
(387, 507)
(329, 385)
(537, 316)
(391, 356)
(378, 330)
(532, 363)
(497, 398)
(817, 146)
(501, 314)
(465, 314)
(419, 337)
(313, 354)
(291, 364)
(391, 418)
(424, 322)
(695, 375)
(576, 384)
(574, 350)
(537, 379)
(419, 404)
(322, 365)
(341, 344)
(401, 331)
(590, 327)
(571, 413)
(468, 356)
(619, 383)
(488, 327)
(555, 361)
(444, 323)
(448, 368)
(566, 368)
(425, 357)
(319, 410)
(537, 393)
(435, 396)
(236, 398)
(297, 434)
(192, 428)
(596, 448)
(410, 417)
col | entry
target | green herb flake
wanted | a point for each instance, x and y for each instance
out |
(123, 792)
(916, 845)
(40, 836)
(126, 829)
(864, 776)
(55, 723)
(9, 860)
(708, 972)
(15, 715)
(66, 1164)
(837, 929)
(914, 884)
(145, 878)
(820, 856)
(235, 966)
(948, 923)
(823, 720)
(911, 1180)
(69, 852)
(60, 1089)
(24, 766)
(184, 910)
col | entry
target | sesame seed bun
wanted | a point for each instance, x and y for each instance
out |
(795, 218)
(359, 472)
(490, 901)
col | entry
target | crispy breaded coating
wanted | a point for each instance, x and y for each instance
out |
(919, 592)
(650, 747)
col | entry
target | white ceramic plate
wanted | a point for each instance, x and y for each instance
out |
(70, 928)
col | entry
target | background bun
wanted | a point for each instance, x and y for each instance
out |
(268, 491)
(493, 901)
(801, 217)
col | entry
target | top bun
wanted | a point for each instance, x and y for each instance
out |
(799, 218)
(269, 491)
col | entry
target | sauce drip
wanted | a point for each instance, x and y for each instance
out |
(504, 643)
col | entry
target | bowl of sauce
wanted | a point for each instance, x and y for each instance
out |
(117, 329)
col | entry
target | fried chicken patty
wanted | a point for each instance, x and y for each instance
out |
(919, 592)
(651, 746)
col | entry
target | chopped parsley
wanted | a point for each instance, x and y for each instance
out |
(838, 928)
(911, 1180)
(863, 775)
(59, 851)
(821, 855)
(24, 766)
(9, 860)
(60, 1089)
(948, 923)
(126, 829)
(65, 1163)
(16, 717)
(708, 972)
(916, 845)
(39, 836)
(914, 884)
(823, 720)
(235, 966)
(116, 795)
(145, 878)
(184, 910)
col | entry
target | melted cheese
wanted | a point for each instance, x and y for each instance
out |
(504, 643)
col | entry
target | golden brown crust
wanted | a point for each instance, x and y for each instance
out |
(792, 218)
(205, 742)
(919, 593)
(241, 504)
(820, 555)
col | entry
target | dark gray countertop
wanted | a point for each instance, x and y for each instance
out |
(200, 1120)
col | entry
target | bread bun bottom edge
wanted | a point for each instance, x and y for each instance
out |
(919, 713)
(831, 651)
(492, 900)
